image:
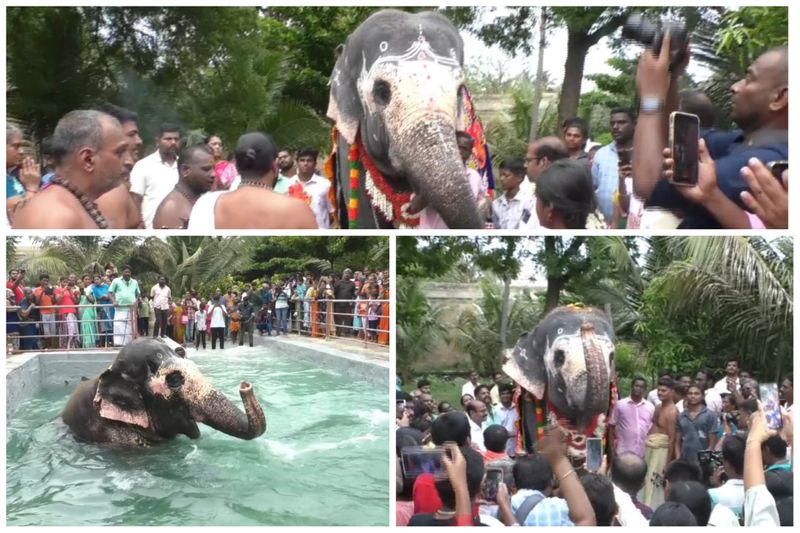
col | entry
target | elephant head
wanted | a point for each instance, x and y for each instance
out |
(569, 357)
(397, 81)
(149, 386)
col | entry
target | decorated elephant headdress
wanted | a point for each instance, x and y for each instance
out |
(566, 376)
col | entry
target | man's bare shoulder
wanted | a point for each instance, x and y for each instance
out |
(262, 209)
(49, 209)
(169, 211)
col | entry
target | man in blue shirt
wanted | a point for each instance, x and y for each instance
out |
(605, 166)
(760, 107)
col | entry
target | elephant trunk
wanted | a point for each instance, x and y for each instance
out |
(436, 172)
(215, 410)
(597, 388)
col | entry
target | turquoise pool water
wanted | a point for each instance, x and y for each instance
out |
(322, 461)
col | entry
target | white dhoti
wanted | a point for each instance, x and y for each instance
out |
(123, 329)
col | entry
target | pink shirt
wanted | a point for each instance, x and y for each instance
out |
(632, 422)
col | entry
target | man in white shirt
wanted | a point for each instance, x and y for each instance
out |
(477, 414)
(161, 295)
(541, 154)
(729, 383)
(514, 207)
(154, 176)
(315, 187)
(469, 386)
(704, 379)
(508, 417)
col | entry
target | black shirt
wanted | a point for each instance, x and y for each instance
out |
(344, 290)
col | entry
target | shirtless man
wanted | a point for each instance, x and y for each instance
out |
(253, 205)
(118, 205)
(196, 170)
(660, 444)
(92, 154)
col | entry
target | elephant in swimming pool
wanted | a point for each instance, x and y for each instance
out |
(397, 86)
(150, 394)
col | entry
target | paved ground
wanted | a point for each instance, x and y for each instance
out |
(350, 345)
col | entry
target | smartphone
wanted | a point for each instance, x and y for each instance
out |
(417, 460)
(594, 453)
(625, 157)
(684, 141)
(401, 404)
(493, 478)
(777, 168)
(771, 404)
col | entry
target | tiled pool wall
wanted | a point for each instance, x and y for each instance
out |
(27, 373)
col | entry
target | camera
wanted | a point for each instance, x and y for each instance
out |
(651, 34)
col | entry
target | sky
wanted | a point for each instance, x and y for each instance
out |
(475, 51)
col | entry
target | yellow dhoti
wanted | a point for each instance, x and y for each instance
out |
(656, 454)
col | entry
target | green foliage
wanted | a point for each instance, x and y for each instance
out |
(418, 326)
(278, 257)
(478, 329)
(215, 69)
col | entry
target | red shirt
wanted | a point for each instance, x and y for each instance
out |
(67, 300)
(18, 295)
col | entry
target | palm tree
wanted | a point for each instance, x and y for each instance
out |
(419, 326)
(744, 286)
(192, 262)
(478, 329)
(60, 256)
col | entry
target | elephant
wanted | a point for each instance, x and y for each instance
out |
(150, 394)
(565, 367)
(396, 88)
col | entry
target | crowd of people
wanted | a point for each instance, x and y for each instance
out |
(110, 309)
(692, 451)
(563, 183)
(91, 174)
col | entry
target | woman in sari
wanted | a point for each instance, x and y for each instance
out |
(88, 315)
(383, 324)
(322, 308)
(178, 325)
(311, 297)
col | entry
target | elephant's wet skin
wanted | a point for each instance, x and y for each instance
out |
(149, 394)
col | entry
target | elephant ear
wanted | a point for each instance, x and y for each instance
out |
(525, 365)
(344, 105)
(117, 399)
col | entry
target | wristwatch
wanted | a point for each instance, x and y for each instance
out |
(650, 104)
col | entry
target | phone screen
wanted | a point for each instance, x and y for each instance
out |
(417, 460)
(771, 403)
(777, 168)
(685, 136)
(594, 453)
(493, 478)
(625, 157)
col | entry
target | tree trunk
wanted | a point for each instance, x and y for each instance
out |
(577, 48)
(553, 295)
(504, 312)
(538, 88)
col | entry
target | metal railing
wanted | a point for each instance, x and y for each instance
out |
(313, 318)
(318, 319)
(68, 331)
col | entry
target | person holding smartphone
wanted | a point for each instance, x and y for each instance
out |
(760, 107)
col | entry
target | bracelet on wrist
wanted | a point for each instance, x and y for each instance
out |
(565, 476)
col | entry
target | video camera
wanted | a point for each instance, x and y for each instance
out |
(651, 34)
(709, 462)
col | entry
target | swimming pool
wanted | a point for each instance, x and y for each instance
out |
(322, 461)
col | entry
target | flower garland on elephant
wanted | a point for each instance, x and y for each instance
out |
(390, 204)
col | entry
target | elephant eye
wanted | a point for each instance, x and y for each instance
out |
(382, 92)
(559, 357)
(175, 380)
(153, 366)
